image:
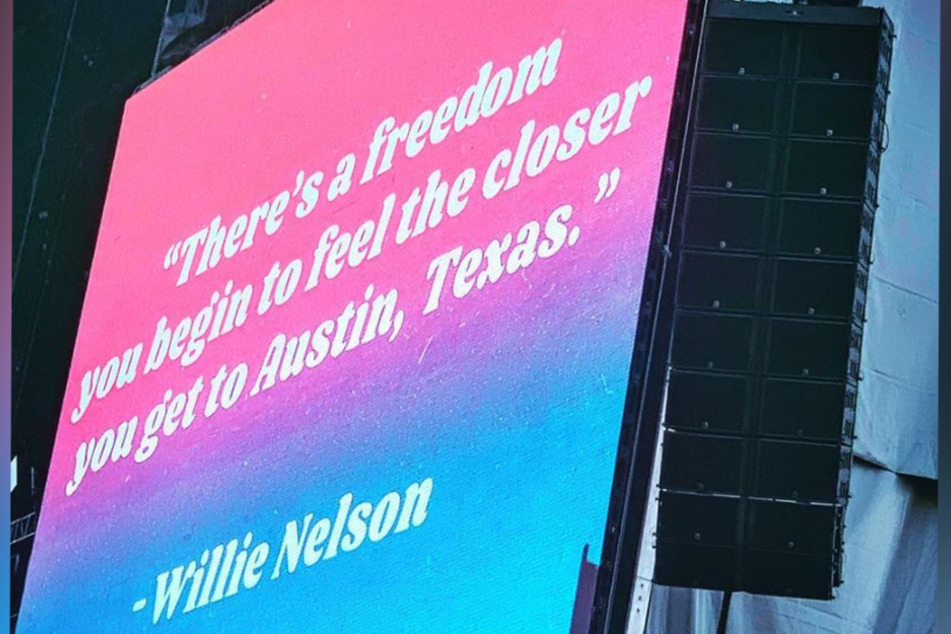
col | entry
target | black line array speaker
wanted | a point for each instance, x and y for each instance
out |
(776, 202)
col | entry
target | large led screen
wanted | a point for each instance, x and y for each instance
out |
(359, 326)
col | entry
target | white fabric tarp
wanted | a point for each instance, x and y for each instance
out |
(897, 422)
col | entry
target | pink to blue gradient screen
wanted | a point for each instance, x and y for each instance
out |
(506, 397)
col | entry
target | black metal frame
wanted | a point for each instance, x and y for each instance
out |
(640, 426)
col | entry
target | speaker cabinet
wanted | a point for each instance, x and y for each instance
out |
(789, 574)
(807, 348)
(840, 53)
(732, 162)
(813, 289)
(820, 229)
(698, 401)
(833, 111)
(725, 221)
(703, 463)
(697, 566)
(825, 168)
(710, 520)
(793, 528)
(742, 48)
(725, 282)
(731, 104)
(712, 342)
(758, 546)
(807, 410)
(799, 471)
(770, 258)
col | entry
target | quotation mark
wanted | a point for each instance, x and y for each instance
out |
(607, 184)
(172, 256)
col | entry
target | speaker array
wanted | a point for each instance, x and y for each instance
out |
(772, 252)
